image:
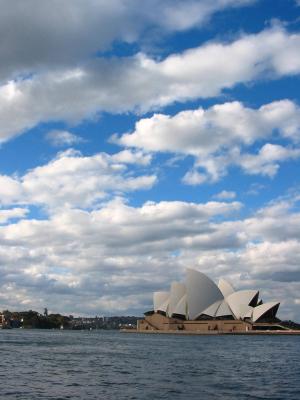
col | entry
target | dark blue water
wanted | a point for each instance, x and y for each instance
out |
(112, 365)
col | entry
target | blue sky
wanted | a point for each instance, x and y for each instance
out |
(138, 141)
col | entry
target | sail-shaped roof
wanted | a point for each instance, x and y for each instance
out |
(159, 298)
(223, 310)
(201, 292)
(200, 297)
(265, 310)
(181, 307)
(225, 287)
(176, 293)
(212, 309)
(239, 302)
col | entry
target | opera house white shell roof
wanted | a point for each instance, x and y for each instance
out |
(159, 298)
(201, 292)
(176, 293)
(200, 298)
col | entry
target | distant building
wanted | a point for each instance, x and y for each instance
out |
(201, 305)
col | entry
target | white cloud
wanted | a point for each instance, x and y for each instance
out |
(90, 259)
(255, 188)
(74, 180)
(61, 138)
(182, 15)
(219, 137)
(132, 157)
(6, 215)
(225, 195)
(266, 162)
(140, 83)
(87, 261)
(63, 32)
(10, 189)
(194, 178)
(202, 132)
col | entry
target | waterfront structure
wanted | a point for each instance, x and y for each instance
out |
(199, 304)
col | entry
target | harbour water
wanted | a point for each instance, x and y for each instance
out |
(112, 365)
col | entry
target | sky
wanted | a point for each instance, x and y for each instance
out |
(138, 139)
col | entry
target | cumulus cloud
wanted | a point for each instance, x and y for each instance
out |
(266, 162)
(132, 157)
(6, 215)
(194, 178)
(225, 195)
(93, 177)
(202, 132)
(11, 190)
(65, 32)
(140, 83)
(91, 260)
(61, 138)
(218, 137)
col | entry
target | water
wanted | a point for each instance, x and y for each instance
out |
(112, 365)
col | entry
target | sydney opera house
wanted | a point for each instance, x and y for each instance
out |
(200, 305)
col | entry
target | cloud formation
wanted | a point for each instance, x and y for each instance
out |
(60, 138)
(93, 259)
(220, 136)
(12, 213)
(63, 33)
(72, 180)
(140, 83)
(225, 195)
(202, 132)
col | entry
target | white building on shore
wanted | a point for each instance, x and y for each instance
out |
(199, 304)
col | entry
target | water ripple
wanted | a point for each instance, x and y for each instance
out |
(48, 365)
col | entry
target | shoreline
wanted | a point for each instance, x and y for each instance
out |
(251, 333)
